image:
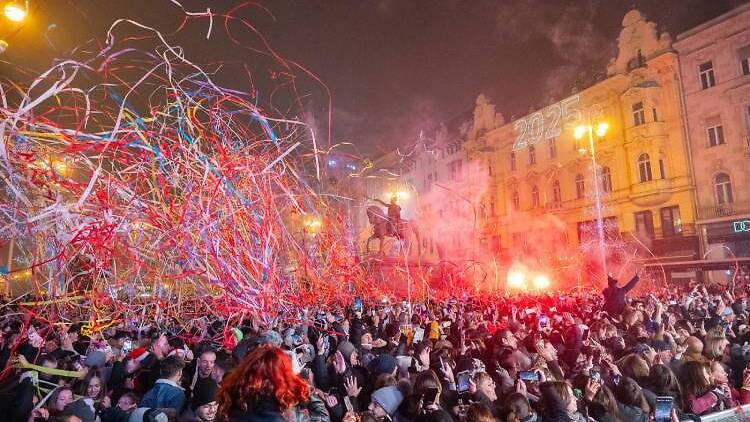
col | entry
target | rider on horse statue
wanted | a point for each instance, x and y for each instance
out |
(394, 215)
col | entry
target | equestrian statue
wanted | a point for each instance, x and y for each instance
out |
(390, 224)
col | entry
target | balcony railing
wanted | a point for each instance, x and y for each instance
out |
(554, 205)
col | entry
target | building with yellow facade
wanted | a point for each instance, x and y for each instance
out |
(543, 178)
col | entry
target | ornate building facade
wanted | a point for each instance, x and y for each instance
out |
(715, 73)
(543, 179)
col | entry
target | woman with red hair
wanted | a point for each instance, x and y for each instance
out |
(265, 388)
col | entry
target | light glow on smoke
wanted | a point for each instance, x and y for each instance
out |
(541, 282)
(516, 279)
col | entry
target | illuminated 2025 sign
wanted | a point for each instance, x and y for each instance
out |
(551, 121)
(741, 226)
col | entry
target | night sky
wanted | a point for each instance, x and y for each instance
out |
(393, 67)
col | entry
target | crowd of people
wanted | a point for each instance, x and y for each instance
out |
(670, 355)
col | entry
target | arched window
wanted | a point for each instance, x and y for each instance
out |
(556, 197)
(516, 200)
(532, 155)
(512, 160)
(723, 188)
(535, 197)
(580, 186)
(606, 178)
(644, 168)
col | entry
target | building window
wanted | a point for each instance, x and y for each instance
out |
(671, 224)
(512, 160)
(744, 54)
(662, 172)
(556, 196)
(580, 186)
(644, 224)
(489, 168)
(455, 168)
(492, 205)
(706, 72)
(552, 146)
(723, 189)
(644, 168)
(516, 200)
(606, 178)
(535, 197)
(532, 155)
(715, 135)
(639, 114)
(653, 113)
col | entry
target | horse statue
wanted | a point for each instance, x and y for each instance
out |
(382, 227)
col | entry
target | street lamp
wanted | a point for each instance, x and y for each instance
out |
(14, 12)
(600, 130)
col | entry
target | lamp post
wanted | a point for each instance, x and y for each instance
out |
(578, 133)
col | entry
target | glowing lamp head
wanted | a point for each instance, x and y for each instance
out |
(579, 131)
(397, 195)
(516, 279)
(601, 129)
(313, 225)
(14, 12)
(541, 282)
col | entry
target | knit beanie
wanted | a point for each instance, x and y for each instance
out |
(389, 398)
(95, 359)
(145, 414)
(347, 349)
(204, 393)
(80, 409)
(383, 364)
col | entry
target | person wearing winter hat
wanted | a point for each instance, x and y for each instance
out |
(203, 407)
(146, 414)
(385, 402)
(383, 364)
(271, 337)
(349, 352)
(291, 339)
(95, 359)
(80, 409)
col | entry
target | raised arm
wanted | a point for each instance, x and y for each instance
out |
(378, 200)
(633, 281)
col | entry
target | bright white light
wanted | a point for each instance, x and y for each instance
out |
(541, 282)
(601, 129)
(399, 195)
(14, 12)
(516, 279)
(313, 225)
(579, 131)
